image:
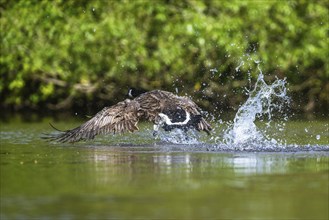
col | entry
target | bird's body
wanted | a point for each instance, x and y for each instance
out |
(163, 108)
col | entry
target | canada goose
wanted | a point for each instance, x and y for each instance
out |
(164, 109)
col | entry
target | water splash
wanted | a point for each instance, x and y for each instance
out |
(263, 100)
(177, 136)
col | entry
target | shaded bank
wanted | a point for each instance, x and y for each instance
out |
(59, 55)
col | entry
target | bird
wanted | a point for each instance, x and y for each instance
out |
(165, 109)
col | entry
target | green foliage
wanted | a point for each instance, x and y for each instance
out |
(58, 54)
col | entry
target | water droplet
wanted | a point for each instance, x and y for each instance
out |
(318, 137)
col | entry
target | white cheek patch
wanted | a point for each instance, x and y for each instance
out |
(167, 120)
(129, 93)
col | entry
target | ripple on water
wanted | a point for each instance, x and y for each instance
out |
(18, 137)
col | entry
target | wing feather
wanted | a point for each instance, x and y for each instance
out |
(118, 118)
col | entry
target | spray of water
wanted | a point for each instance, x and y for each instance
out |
(263, 100)
(178, 136)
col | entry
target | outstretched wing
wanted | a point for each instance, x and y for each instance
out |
(118, 118)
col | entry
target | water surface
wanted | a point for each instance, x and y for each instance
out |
(133, 176)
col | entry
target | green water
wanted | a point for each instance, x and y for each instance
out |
(135, 177)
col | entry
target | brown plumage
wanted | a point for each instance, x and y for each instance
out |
(163, 108)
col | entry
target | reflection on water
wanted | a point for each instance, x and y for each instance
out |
(256, 164)
(115, 181)
(241, 163)
(98, 180)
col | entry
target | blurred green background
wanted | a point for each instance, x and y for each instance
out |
(81, 55)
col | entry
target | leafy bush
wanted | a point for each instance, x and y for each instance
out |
(71, 54)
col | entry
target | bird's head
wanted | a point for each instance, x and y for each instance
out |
(133, 92)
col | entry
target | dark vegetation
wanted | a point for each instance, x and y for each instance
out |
(82, 55)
